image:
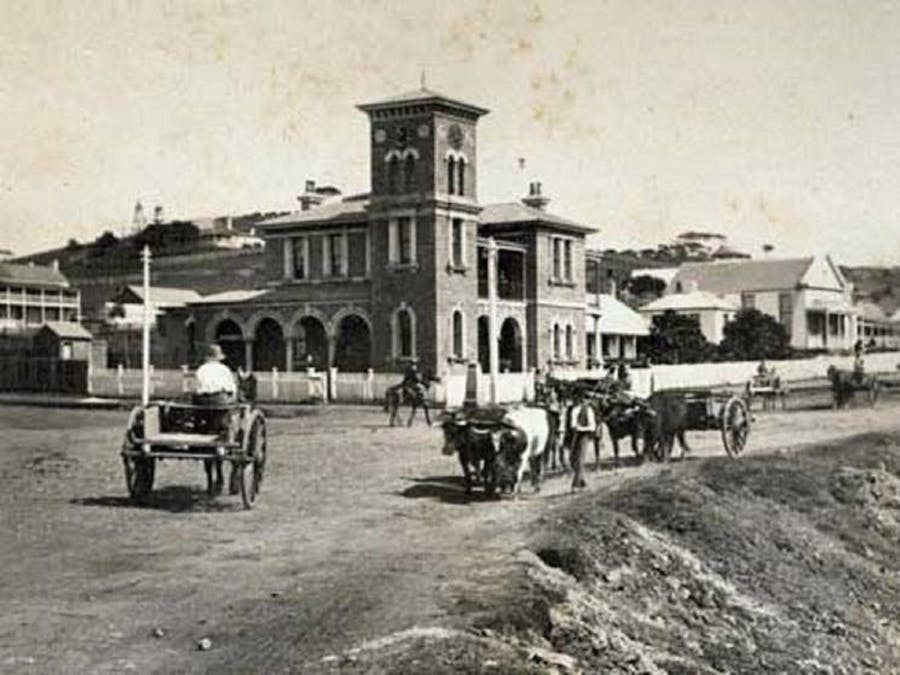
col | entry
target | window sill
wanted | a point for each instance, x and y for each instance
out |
(562, 282)
(403, 267)
(322, 280)
(453, 268)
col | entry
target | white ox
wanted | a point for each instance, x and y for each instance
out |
(521, 445)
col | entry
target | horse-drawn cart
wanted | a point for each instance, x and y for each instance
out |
(234, 433)
(723, 411)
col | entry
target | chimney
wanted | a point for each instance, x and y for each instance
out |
(535, 199)
(55, 264)
(228, 223)
(310, 197)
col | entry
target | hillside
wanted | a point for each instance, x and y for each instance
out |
(881, 285)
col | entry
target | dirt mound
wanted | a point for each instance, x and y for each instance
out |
(779, 563)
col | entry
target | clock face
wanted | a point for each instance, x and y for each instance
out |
(380, 135)
(424, 131)
(455, 136)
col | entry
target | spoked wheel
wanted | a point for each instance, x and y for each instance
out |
(139, 475)
(139, 471)
(252, 470)
(735, 426)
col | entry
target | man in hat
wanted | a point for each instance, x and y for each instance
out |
(215, 381)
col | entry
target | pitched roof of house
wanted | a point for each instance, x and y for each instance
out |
(616, 318)
(695, 300)
(162, 296)
(422, 95)
(345, 210)
(67, 330)
(32, 275)
(734, 276)
(229, 297)
(508, 213)
(871, 311)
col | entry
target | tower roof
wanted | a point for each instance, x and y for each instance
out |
(423, 96)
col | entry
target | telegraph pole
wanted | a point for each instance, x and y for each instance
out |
(145, 362)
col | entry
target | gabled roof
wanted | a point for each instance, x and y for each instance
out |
(743, 275)
(871, 311)
(616, 318)
(165, 297)
(422, 96)
(695, 300)
(67, 330)
(346, 210)
(228, 297)
(44, 276)
(509, 213)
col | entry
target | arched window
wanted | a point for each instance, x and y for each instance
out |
(409, 169)
(393, 175)
(404, 344)
(461, 177)
(451, 175)
(557, 339)
(458, 345)
(570, 343)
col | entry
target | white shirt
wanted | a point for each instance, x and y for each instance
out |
(214, 377)
(591, 425)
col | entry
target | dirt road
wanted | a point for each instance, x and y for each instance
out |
(357, 532)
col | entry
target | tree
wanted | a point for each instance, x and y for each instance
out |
(646, 287)
(752, 336)
(675, 338)
(73, 243)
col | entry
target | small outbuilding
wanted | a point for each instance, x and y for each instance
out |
(62, 340)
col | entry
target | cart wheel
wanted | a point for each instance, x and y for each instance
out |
(139, 475)
(251, 472)
(735, 426)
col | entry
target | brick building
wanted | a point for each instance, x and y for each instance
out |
(400, 272)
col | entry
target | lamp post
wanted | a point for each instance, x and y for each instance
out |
(493, 347)
(145, 361)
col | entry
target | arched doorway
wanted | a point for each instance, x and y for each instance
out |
(484, 345)
(510, 352)
(353, 345)
(231, 340)
(268, 346)
(310, 344)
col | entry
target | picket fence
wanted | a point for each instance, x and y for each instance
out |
(318, 386)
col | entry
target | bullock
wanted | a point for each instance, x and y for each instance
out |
(521, 446)
(475, 449)
(666, 422)
(631, 418)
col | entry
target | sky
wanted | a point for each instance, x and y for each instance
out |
(769, 121)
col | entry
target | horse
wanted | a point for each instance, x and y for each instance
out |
(401, 394)
(845, 384)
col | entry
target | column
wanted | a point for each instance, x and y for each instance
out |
(248, 353)
(598, 343)
(289, 354)
(493, 345)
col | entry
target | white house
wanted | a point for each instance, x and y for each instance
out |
(809, 296)
(619, 327)
(710, 311)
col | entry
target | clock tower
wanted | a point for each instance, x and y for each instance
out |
(423, 220)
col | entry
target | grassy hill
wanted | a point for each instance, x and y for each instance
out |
(881, 285)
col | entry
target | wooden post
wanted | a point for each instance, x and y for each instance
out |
(145, 356)
(493, 346)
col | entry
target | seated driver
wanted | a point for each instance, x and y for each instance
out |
(215, 381)
(412, 379)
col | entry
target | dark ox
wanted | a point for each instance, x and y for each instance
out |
(625, 419)
(475, 449)
(667, 422)
(500, 451)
